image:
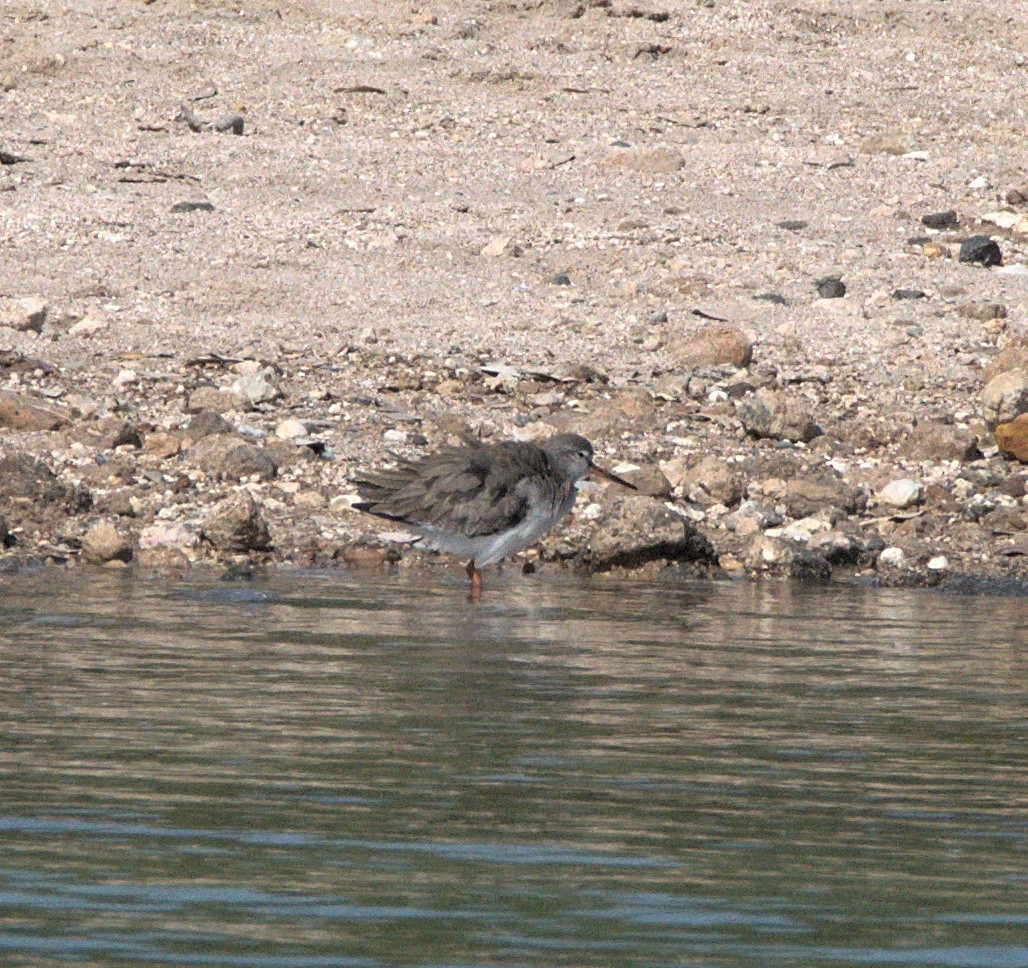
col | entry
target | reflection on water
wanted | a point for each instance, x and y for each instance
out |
(332, 772)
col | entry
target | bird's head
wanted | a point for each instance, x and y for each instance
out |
(572, 457)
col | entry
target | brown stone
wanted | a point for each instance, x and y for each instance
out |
(237, 525)
(711, 474)
(805, 496)
(219, 401)
(769, 413)
(938, 441)
(656, 161)
(103, 543)
(224, 455)
(161, 445)
(1014, 357)
(25, 315)
(716, 346)
(1012, 438)
(1005, 398)
(649, 480)
(20, 413)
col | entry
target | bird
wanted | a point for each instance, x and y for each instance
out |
(483, 501)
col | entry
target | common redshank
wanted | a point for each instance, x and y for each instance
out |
(483, 501)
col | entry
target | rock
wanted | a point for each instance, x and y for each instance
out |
(20, 413)
(769, 413)
(180, 208)
(941, 220)
(181, 535)
(752, 518)
(903, 294)
(1012, 438)
(309, 500)
(206, 423)
(237, 525)
(836, 547)
(806, 496)
(649, 480)
(716, 346)
(24, 478)
(561, 279)
(496, 248)
(982, 311)
(769, 553)
(161, 445)
(809, 567)
(638, 529)
(792, 224)
(217, 401)
(939, 441)
(1005, 398)
(938, 563)
(772, 297)
(103, 543)
(226, 456)
(234, 123)
(903, 493)
(111, 433)
(707, 481)
(24, 315)
(656, 161)
(892, 558)
(257, 387)
(888, 143)
(88, 326)
(830, 287)
(1014, 357)
(982, 250)
(291, 428)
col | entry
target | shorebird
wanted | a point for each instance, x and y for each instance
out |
(483, 501)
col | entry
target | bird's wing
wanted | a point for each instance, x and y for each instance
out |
(470, 491)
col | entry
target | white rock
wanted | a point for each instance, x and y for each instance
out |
(179, 534)
(903, 493)
(1005, 398)
(257, 387)
(288, 429)
(395, 436)
(126, 378)
(497, 247)
(893, 558)
(88, 326)
(26, 315)
(938, 563)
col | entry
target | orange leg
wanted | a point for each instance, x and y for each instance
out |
(476, 581)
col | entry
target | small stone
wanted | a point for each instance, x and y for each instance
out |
(102, 543)
(892, 558)
(5, 534)
(237, 525)
(831, 287)
(705, 481)
(161, 445)
(792, 224)
(933, 250)
(657, 161)
(395, 436)
(216, 401)
(182, 535)
(24, 315)
(230, 122)
(649, 480)
(772, 297)
(982, 311)
(773, 414)
(561, 279)
(1005, 398)
(909, 294)
(903, 493)
(982, 250)
(1014, 357)
(941, 220)
(888, 143)
(182, 207)
(88, 326)
(20, 413)
(227, 456)
(808, 495)
(938, 563)
(257, 387)
(496, 248)
(1012, 438)
(716, 346)
(288, 429)
(126, 378)
(309, 500)
(939, 441)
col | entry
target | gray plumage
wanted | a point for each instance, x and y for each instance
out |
(484, 501)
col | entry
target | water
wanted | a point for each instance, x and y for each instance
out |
(339, 772)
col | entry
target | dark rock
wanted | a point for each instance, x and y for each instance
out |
(940, 220)
(982, 311)
(181, 207)
(227, 456)
(773, 414)
(982, 250)
(772, 297)
(206, 423)
(216, 400)
(636, 530)
(237, 525)
(561, 279)
(909, 294)
(230, 122)
(657, 318)
(809, 567)
(831, 287)
(5, 534)
(938, 441)
(111, 432)
(24, 478)
(792, 224)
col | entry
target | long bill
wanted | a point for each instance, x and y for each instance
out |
(611, 476)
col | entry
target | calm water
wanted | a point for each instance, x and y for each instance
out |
(342, 772)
